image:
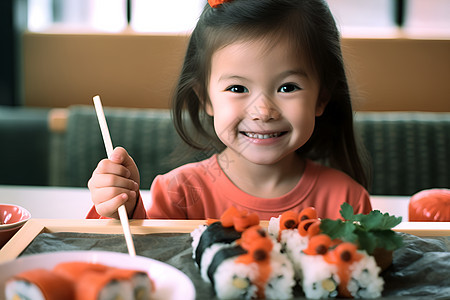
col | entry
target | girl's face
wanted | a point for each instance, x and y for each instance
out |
(263, 99)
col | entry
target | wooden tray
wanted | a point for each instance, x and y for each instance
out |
(34, 227)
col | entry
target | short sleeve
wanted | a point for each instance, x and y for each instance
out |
(167, 199)
(363, 206)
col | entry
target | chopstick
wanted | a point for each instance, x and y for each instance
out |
(109, 149)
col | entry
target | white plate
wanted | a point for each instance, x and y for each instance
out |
(170, 283)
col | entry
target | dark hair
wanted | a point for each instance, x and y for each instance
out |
(310, 27)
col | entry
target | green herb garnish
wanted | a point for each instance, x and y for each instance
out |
(370, 231)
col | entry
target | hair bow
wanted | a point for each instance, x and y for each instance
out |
(215, 3)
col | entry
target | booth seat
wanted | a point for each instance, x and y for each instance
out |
(24, 146)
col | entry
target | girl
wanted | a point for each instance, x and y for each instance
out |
(268, 77)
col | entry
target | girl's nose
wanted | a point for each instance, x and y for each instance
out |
(264, 110)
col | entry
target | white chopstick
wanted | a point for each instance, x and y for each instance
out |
(109, 149)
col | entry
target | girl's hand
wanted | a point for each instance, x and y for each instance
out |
(114, 182)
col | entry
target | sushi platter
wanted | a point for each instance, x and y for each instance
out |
(36, 226)
(173, 236)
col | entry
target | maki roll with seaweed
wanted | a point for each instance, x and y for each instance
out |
(241, 261)
(207, 240)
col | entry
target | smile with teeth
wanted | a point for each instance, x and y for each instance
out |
(262, 136)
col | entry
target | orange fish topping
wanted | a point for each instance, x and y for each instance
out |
(318, 245)
(288, 220)
(309, 227)
(251, 234)
(216, 3)
(307, 213)
(241, 220)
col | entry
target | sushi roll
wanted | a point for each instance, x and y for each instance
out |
(338, 271)
(328, 256)
(102, 286)
(207, 240)
(245, 265)
(293, 232)
(80, 281)
(39, 284)
(97, 281)
(253, 269)
(142, 286)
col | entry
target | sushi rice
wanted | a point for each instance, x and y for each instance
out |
(236, 280)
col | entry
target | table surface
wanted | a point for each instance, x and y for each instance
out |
(74, 202)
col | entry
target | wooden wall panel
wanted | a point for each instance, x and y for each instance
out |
(138, 70)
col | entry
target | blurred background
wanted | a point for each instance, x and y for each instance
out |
(57, 54)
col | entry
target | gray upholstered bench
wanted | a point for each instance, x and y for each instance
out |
(409, 151)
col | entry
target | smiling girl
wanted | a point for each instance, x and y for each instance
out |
(268, 77)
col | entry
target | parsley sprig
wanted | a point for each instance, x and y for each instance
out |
(369, 232)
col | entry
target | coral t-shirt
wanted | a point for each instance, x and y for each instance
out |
(201, 190)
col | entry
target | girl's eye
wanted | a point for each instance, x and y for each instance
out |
(237, 89)
(288, 88)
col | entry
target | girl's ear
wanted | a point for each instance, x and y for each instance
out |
(322, 101)
(208, 107)
(320, 107)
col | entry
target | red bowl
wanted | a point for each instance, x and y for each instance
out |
(430, 205)
(12, 218)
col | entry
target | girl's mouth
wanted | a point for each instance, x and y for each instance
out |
(263, 136)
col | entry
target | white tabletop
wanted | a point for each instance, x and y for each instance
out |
(74, 203)
(49, 202)
(394, 205)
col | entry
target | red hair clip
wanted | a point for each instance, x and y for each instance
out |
(215, 3)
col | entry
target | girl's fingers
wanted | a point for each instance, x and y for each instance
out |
(107, 166)
(109, 208)
(121, 156)
(112, 181)
(106, 194)
(108, 200)
(120, 164)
